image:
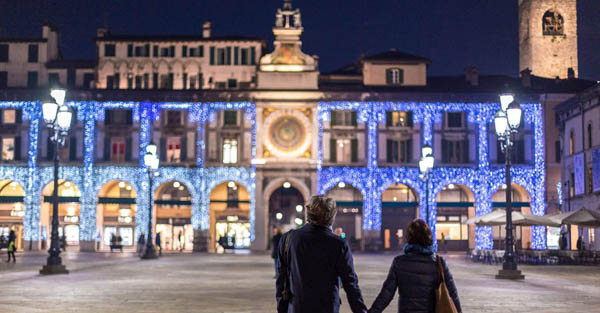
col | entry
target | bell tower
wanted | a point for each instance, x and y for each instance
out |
(548, 38)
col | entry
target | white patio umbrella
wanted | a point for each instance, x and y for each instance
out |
(581, 217)
(524, 219)
(481, 220)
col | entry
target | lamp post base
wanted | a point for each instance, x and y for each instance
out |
(510, 274)
(54, 269)
(149, 253)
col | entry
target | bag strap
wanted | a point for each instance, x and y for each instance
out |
(441, 276)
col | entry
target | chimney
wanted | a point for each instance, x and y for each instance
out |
(570, 73)
(206, 27)
(101, 32)
(472, 76)
(526, 78)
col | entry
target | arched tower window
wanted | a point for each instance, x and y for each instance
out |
(589, 135)
(571, 143)
(553, 24)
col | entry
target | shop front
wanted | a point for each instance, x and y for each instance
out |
(11, 212)
(229, 217)
(68, 213)
(116, 215)
(399, 207)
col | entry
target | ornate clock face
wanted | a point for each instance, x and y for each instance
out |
(287, 133)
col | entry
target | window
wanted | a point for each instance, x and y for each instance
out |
(117, 149)
(53, 79)
(230, 118)
(184, 51)
(230, 151)
(139, 51)
(3, 79)
(557, 151)
(32, 79)
(9, 116)
(109, 50)
(398, 119)
(244, 57)
(344, 150)
(343, 118)
(32, 56)
(394, 76)
(174, 118)
(8, 149)
(173, 149)
(232, 83)
(553, 24)
(166, 81)
(398, 151)
(221, 56)
(454, 120)
(572, 186)
(4, 53)
(590, 181)
(139, 81)
(455, 151)
(118, 117)
(571, 143)
(130, 50)
(110, 82)
(164, 52)
(589, 131)
(155, 51)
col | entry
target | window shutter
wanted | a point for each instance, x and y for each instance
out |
(388, 118)
(332, 115)
(155, 51)
(129, 117)
(155, 80)
(409, 118)
(332, 150)
(388, 76)
(172, 51)
(17, 148)
(128, 149)
(388, 151)
(557, 151)
(49, 149)
(236, 54)
(354, 150)
(146, 50)
(130, 50)
(163, 149)
(183, 148)
(212, 55)
(18, 116)
(73, 148)
(400, 76)
(465, 157)
(200, 51)
(1, 116)
(354, 118)
(252, 55)
(184, 51)
(409, 146)
(228, 56)
(106, 148)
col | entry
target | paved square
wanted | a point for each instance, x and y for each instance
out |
(102, 282)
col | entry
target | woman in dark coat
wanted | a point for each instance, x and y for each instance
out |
(415, 275)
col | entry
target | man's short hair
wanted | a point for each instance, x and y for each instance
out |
(321, 210)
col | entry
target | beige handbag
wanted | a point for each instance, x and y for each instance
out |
(443, 300)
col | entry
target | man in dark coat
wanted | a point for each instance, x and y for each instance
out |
(317, 260)
(275, 246)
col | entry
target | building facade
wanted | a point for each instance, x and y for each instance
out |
(245, 137)
(580, 131)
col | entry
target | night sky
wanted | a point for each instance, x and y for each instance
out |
(452, 33)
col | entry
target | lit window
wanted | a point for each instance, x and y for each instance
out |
(8, 149)
(173, 149)
(398, 119)
(117, 151)
(230, 151)
(9, 116)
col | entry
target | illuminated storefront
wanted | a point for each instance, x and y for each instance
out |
(173, 216)
(12, 210)
(116, 214)
(68, 211)
(455, 204)
(229, 216)
(399, 207)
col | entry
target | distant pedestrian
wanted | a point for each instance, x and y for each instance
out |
(444, 243)
(563, 241)
(11, 246)
(580, 244)
(181, 241)
(158, 246)
(63, 242)
(415, 275)
(141, 243)
(275, 245)
(312, 262)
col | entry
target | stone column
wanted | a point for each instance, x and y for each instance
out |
(261, 232)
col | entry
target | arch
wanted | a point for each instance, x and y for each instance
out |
(115, 214)
(523, 235)
(454, 204)
(286, 207)
(173, 214)
(68, 212)
(278, 182)
(230, 211)
(13, 210)
(399, 206)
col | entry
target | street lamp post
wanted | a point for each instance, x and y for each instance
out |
(58, 120)
(507, 121)
(151, 161)
(425, 166)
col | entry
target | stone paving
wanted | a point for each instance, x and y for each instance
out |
(104, 282)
